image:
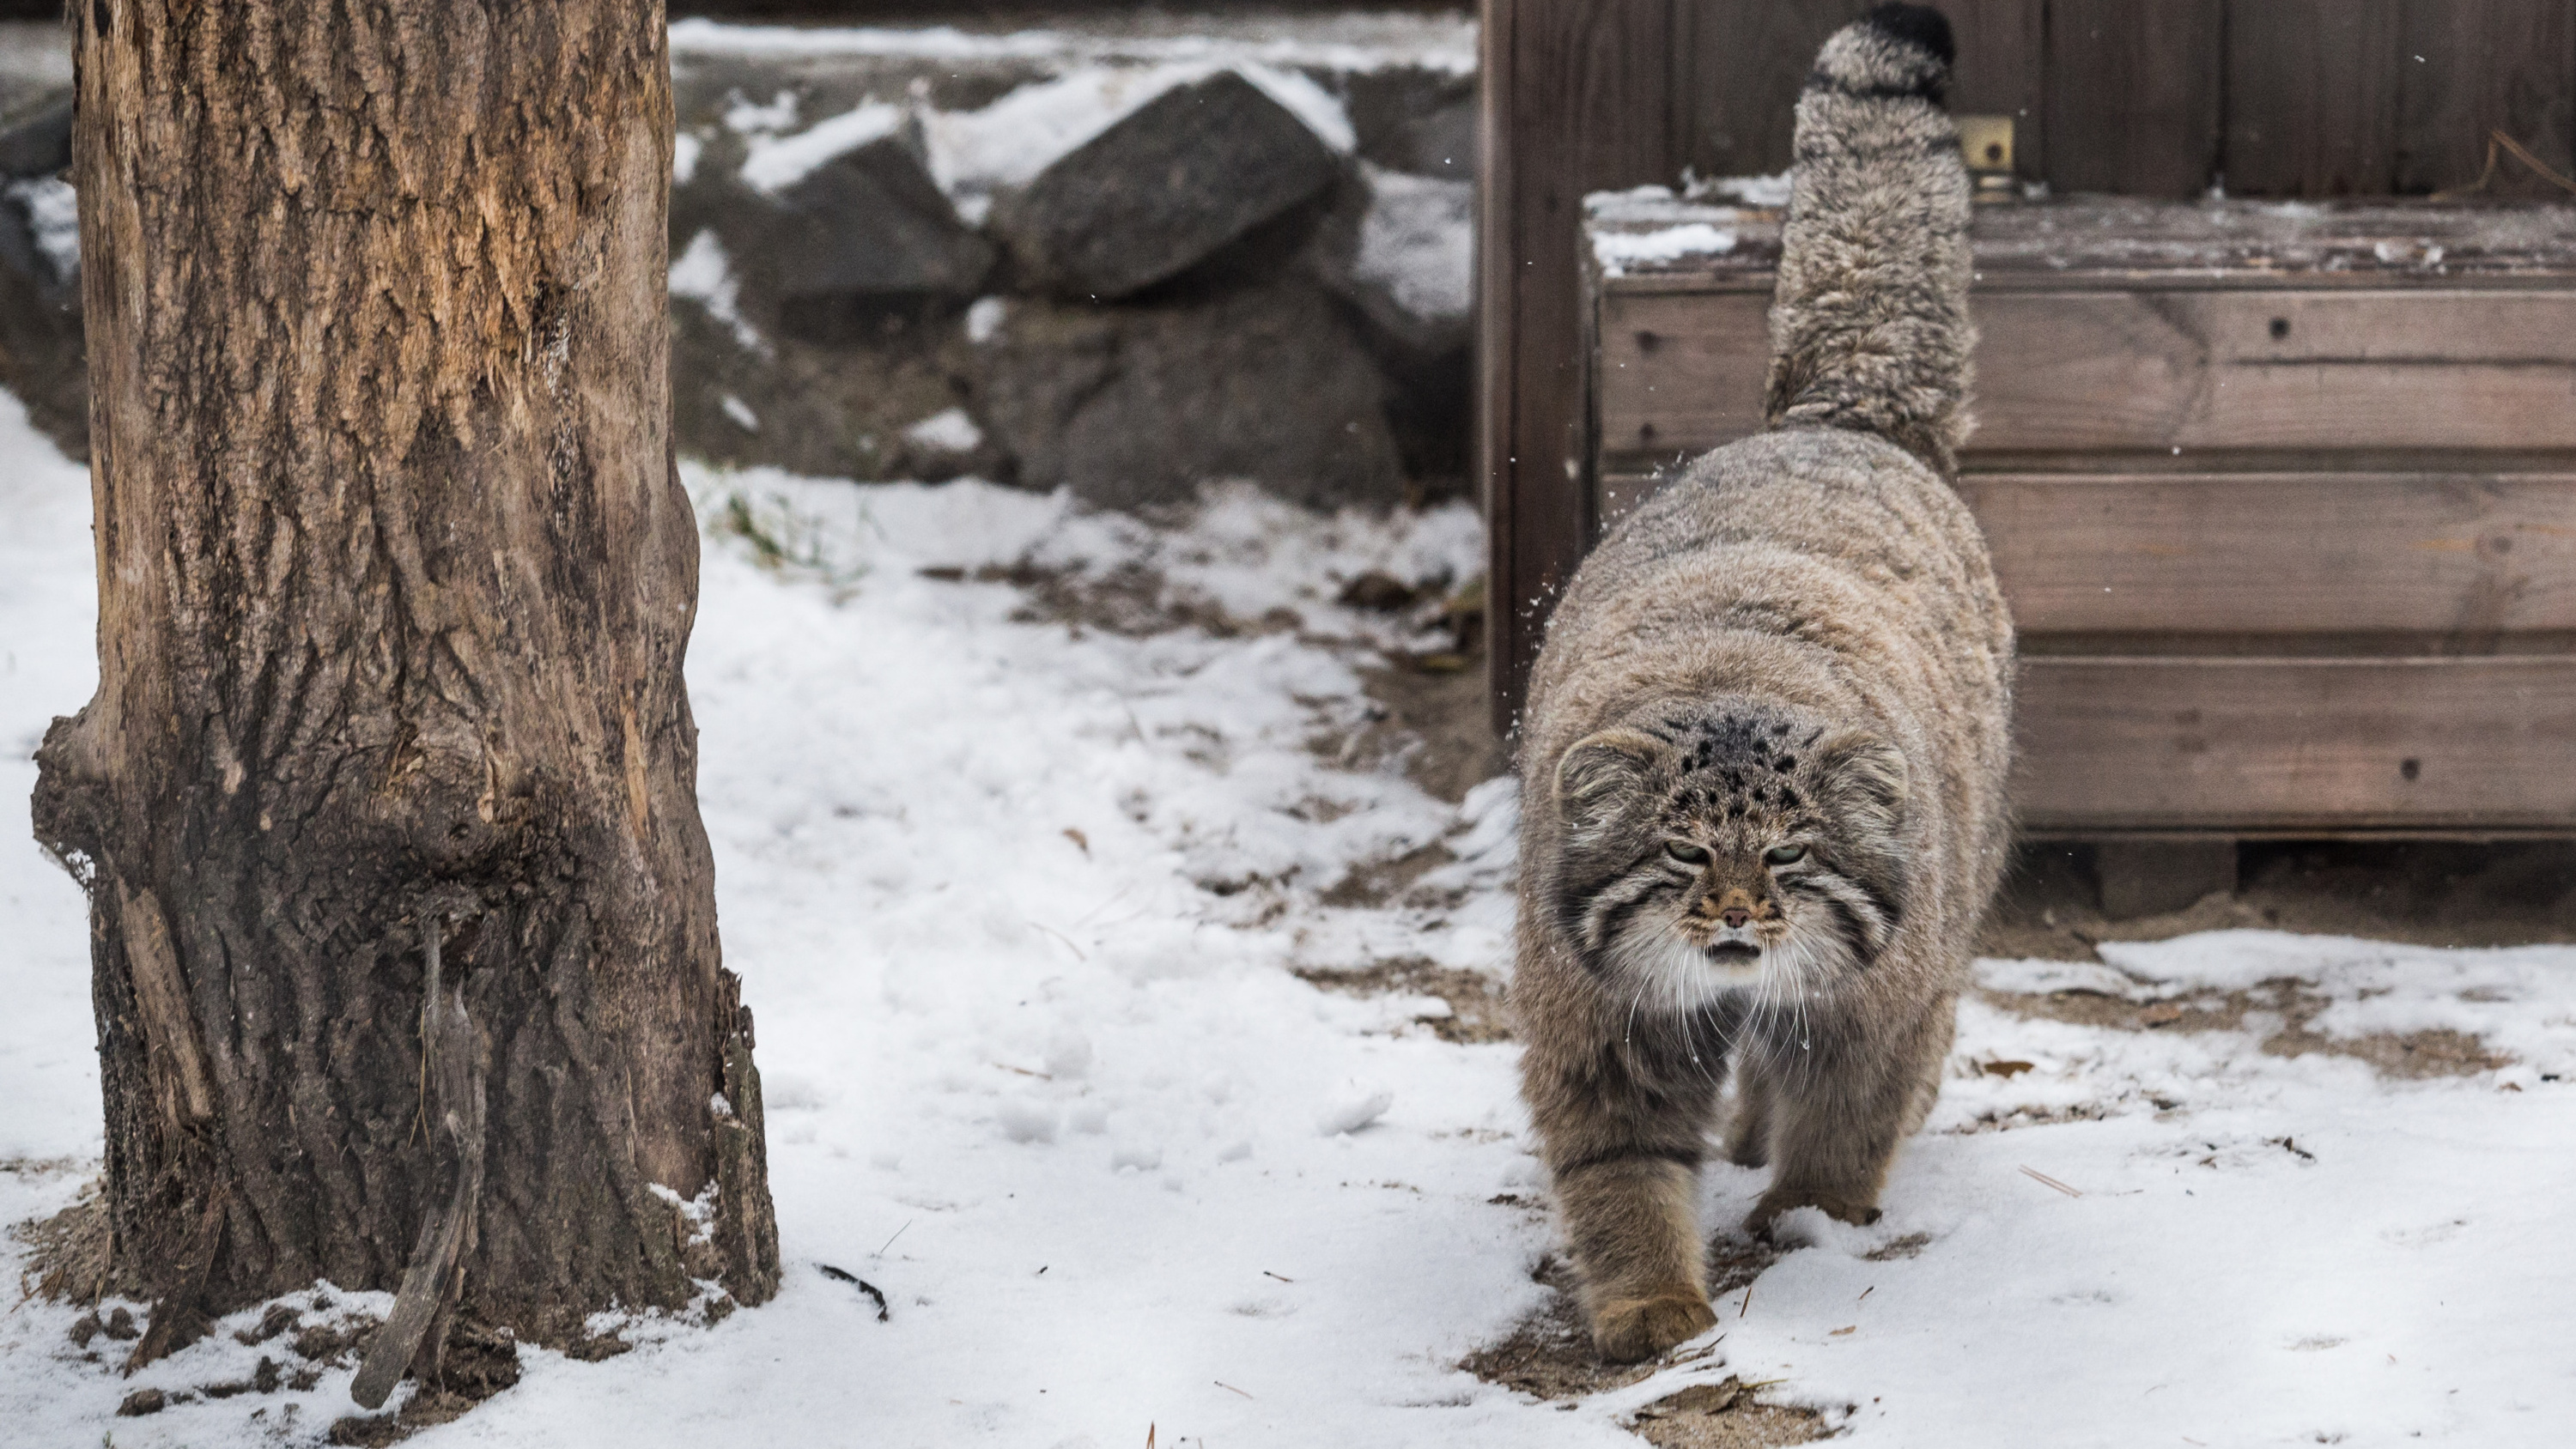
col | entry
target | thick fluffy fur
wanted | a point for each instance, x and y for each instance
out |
(1763, 762)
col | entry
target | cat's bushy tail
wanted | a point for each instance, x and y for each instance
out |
(1869, 322)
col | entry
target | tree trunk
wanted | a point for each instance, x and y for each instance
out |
(395, 579)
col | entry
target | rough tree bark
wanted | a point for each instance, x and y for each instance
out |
(395, 578)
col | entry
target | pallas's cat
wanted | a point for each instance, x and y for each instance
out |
(1764, 755)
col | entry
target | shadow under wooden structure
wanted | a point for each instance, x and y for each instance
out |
(2284, 498)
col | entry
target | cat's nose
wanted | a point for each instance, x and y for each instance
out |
(1735, 916)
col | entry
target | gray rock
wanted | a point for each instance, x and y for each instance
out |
(1413, 119)
(36, 139)
(42, 356)
(871, 223)
(826, 410)
(1137, 406)
(1164, 189)
(1442, 143)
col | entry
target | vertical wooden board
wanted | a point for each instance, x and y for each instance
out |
(2312, 98)
(1737, 66)
(1495, 332)
(2131, 93)
(1584, 109)
(2466, 67)
(1998, 72)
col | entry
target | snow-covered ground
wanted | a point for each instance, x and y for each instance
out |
(1018, 899)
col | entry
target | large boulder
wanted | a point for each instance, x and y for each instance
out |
(870, 222)
(36, 137)
(1177, 181)
(1139, 405)
(42, 359)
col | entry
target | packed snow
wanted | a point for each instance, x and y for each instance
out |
(1025, 818)
(1418, 241)
(703, 273)
(1357, 40)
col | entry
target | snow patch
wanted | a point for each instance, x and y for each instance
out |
(1615, 249)
(1418, 241)
(771, 164)
(53, 217)
(704, 274)
(1356, 1106)
(949, 430)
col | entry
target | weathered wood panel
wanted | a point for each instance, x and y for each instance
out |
(2138, 371)
(1737, 66)
(1576, 96)
(2468, 67)
(2466, 556)
(2312, 89)
(2296, 744)
(2460, 562)
(2132, 94)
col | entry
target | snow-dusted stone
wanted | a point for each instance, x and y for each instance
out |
(1134, 406)
(1401, 248)
(42, 356)
(36, 138)
(870, 222)
(872, 412)
(1165, 189)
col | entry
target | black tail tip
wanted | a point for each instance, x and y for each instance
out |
(1920, 26)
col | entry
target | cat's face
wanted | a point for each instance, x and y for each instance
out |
(1706, 845)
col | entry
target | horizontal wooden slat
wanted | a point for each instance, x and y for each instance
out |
(2476, 370)
(2292, 744)
(2456, 557)
(2463, 555)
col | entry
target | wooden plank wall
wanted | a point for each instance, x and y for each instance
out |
(2304, 98)
(2308, 98)
(1576, 99)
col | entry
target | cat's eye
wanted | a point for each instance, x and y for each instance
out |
(1785, 854)
(1684, 851)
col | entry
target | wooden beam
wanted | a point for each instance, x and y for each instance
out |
(1575, 101)
(2296, 744)
(2466, 557)
(2357, 369)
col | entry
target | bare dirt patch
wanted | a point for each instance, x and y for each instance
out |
(1430, 718)
(2413, 1056)
(1477, 1011)
(1381, 882)
(67, 1260)
(1549, 1355)
(1725, 1415)
(2426, 893)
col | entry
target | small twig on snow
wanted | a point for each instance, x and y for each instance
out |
(844, 1275)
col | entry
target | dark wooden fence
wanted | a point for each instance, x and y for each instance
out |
(2149, 98)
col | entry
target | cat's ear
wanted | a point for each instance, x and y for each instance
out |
(1604, 773)
(1864, 779)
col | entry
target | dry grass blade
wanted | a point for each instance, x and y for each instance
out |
(2496, 140)
(2044, 1180)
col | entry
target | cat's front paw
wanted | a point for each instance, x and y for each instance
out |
(1855, 1211)
(1627, 1329)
